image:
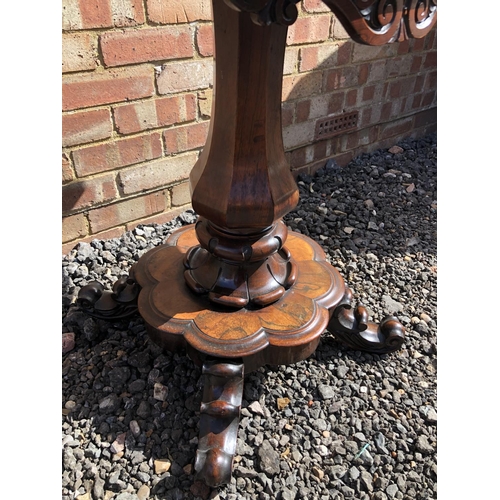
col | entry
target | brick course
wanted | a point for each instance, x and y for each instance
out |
(185, 76)
(113, 155)
(178, 11)
(86, 126)
(137, 46)
(123, 212)
(156, 113)
(67, 171)
(91, 14)
(181, 195)
(185, 138)
(86, 193)
(74, 226)
(84, 90)
(309, 29)
(158, 173)
(137, 98)
(205, 40)
(80, 52)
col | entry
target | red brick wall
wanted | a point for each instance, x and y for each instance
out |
(136, 103)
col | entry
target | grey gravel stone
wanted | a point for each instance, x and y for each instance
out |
(391, 490)
(354, 473)
(269, 458)
(429, 413)
(143, 492)
(392, 306)
(144, 409)
(366, 480)
(118, 376)
(98, 488)
(423, 445)
(109, 404)
(326, 391)
(137, 385)
(245, 472)
(126, 496)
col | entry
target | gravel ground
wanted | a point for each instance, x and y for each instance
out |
(356, 426)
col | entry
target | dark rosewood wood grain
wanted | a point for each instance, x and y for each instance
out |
(236, 290)
(120, 303)
(242, 182)
(236, 270)
(351, 326)
(284, 332)
(371, 22)
(219, 420)
(377, 22)
(242, 185)
(265, 12)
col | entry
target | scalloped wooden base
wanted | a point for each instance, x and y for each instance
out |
(284, 332)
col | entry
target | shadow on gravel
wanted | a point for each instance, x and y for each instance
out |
(131, 408)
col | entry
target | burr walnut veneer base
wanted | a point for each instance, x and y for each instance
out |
(236, 290)
(284, 332)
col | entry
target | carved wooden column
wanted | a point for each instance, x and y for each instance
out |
(241, 186)
(237, 290)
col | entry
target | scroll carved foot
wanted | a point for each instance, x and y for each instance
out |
(351, 326)
(120, 303)
(220, 417)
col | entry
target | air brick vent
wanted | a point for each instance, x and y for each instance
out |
(335, 125)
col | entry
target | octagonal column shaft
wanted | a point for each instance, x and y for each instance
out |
(242, 185)
(242, 181)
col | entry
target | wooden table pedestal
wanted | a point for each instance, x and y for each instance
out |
(237, 290)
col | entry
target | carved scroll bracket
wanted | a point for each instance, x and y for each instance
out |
(351, 326)
(377, 22)
(371, 22)
(120, 303)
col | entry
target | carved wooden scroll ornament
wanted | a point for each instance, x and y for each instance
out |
(371, 22)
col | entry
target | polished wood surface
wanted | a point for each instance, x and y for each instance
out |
(370, 22)
(242, 185)
(239, 270)
(377, 22)
(284, 332)
(238, 291)
(242, 180)
(219, 421)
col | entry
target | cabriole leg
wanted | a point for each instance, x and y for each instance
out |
(219, 421)
(351, 326)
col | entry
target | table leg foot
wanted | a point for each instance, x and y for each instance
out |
(118, 304)
(219, 421)
(351, 326)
